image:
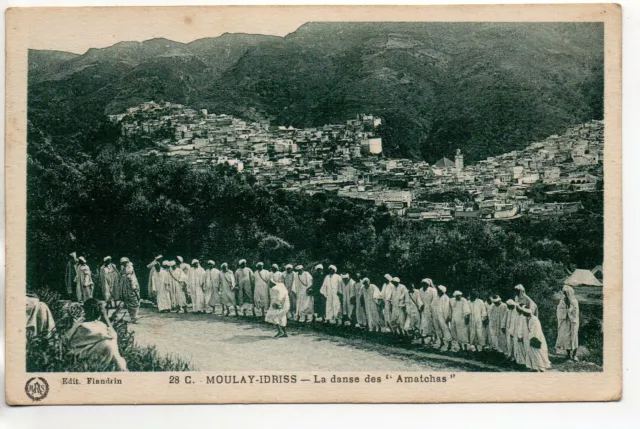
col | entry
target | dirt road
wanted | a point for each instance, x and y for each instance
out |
(226, 344)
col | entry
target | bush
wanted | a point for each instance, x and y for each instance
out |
(50, 352)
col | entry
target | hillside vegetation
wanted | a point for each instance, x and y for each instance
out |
(486, 88)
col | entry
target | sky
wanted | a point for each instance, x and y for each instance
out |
(78, 30)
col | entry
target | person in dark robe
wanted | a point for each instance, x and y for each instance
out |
(319, 304)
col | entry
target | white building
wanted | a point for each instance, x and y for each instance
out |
(371, 146)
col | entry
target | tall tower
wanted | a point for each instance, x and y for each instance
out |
(459, 160)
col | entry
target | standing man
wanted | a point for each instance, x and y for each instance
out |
(537, 353)
(178, 286)
(348, 299)
(287, 279)
(108, 279)
(442, 317)
(211, 287)
(428, 294)
(398, 306)
(361, 313)
(182, 265)
(414, 306)
(460, 319)
(373, 306)
(319, 304)
(154, 277)
(130, 289)
(478, 322)
(167, 279)
(195, 285)
(521, 337)
(84, 282)
(387, 290)
(523, 299)
(279, 308)
(261, 279)
(276, 274)
(302, 290)
(70, 274)
(497, 315)
(244, 282)
(568, 315)
(163, 291)
(228, 289)
(510, 325)
(332, 291)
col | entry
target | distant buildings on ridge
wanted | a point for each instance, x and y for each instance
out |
(345, 159)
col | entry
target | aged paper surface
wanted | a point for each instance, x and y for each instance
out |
(234, 358)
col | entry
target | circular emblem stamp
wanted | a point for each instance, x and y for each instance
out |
(36, 388)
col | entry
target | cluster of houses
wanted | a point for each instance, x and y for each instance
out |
(347, 159)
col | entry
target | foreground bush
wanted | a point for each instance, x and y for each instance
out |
(50, 352)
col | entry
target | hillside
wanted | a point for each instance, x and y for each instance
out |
(484, 88)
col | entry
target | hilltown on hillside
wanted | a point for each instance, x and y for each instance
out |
(347, 159)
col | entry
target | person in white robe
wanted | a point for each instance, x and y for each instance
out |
(414, 307)
(441, 308)
(521, 335)
(228, 289)
(276, 274)
(387, 290)
(302, 290)
(84, 282)
(261, 300)
(568, 315)
(510, 325)
(428, 294)
(195, 285)
(39, 318)
(460, 320)
(163, 293)
(154, 277)
(178, 286)
(361, 315)
(109, 278)
(332, 291)
(130, 288)
(279, 307)
(168, 284)
(70, 273)
(523, 299)
(398, 306)
(95, 340)
(211, 287)
(185, 287)
(487, 332)
(245, 285)
(497, 314)
(348, 299)
(478, 324)
(182, 264)
(372, 306)
(537, 353)
(287, 278)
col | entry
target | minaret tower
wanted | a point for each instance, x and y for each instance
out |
(459, 160)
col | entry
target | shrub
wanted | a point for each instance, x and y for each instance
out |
(50, 352)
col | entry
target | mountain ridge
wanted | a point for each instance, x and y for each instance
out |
(484, 87)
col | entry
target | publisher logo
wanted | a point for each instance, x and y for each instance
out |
(36, 388)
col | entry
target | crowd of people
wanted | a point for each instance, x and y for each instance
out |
(424, 313)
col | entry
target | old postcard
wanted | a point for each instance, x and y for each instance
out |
(313, 204)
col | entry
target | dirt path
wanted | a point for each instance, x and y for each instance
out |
(230, 344)
(226, 344)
